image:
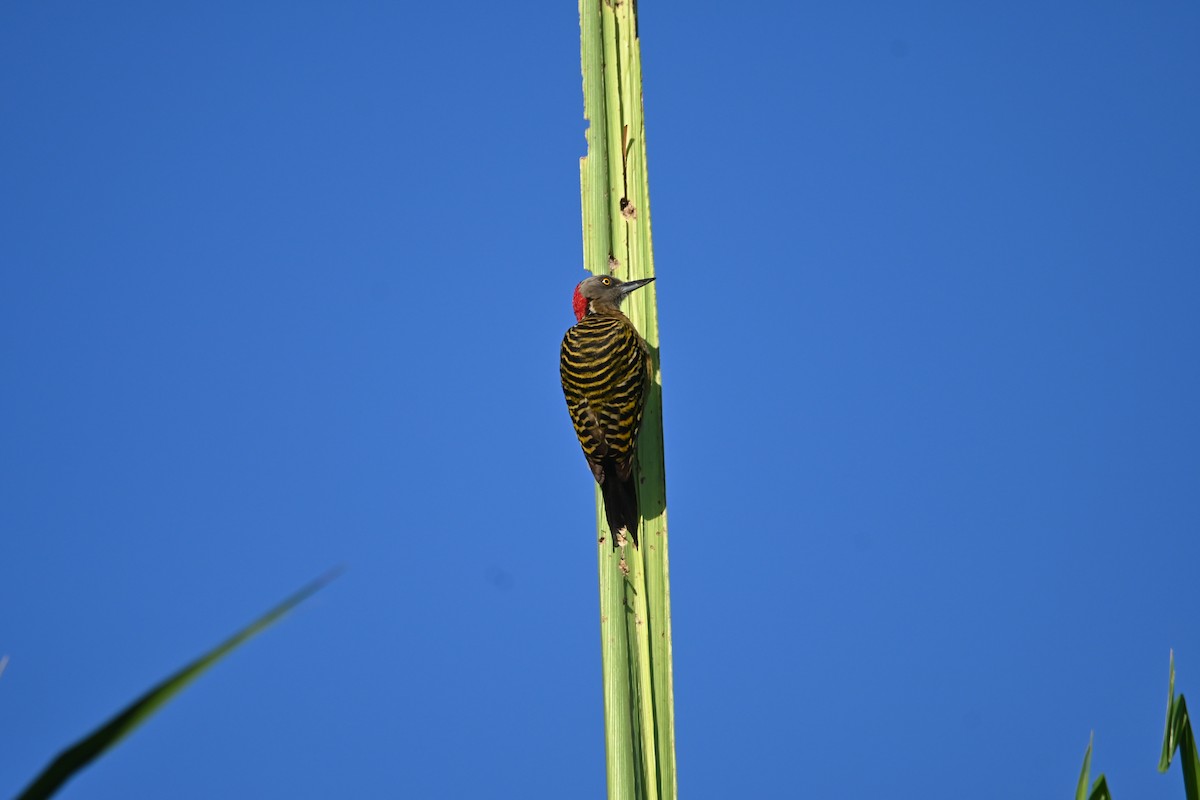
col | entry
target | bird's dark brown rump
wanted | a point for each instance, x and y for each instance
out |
(620, 502)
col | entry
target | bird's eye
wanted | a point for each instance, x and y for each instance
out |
(606, 281)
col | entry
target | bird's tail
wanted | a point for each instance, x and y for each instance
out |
(620, 502)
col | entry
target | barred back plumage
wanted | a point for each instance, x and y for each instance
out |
(605, 369)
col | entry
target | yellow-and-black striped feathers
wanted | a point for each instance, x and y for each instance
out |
(605, 372)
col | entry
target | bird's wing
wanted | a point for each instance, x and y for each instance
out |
(605, 370)
(583, 416)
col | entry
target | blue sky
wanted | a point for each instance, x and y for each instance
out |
(283, 287)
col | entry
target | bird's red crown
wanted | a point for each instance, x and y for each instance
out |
(579, 303)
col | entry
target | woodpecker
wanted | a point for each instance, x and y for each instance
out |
(605, 367)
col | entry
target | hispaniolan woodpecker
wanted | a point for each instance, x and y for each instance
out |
(605, 367)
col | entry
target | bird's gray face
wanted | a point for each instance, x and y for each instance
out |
(608, 290)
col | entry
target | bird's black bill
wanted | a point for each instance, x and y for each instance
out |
(629, 286)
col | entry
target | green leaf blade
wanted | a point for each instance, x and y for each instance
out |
(1178, 735)
(76, 757)
(1081, 789)
(634, 583)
